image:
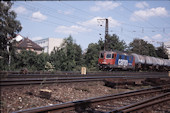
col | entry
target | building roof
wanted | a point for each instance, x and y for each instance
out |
(167, 44)
(27, 43)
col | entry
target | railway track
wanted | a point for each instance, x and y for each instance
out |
(28, 81)
(45, 81)
(13, 75)
(158, 100)
(140, 100)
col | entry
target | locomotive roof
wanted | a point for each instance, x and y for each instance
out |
(143, 56)
(119, 52)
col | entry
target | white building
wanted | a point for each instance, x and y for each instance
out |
(167, 45)
(49, 44)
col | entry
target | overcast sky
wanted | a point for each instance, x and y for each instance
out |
(148, 20)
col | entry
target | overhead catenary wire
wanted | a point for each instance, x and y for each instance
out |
(119, 22)
(127, 24)
(59, 18)
(80, 10)
(50, 11)
(141, 18)
(60, 12)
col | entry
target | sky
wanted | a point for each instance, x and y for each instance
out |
(147, 20)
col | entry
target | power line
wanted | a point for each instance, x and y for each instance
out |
(142, 18)
(85, 12)
(49, 10)
(139, 17)
(119, 22)
(46, 22)
(62, 19)
(68, 15)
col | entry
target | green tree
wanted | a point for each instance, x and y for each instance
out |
(162, 52)
(68, 57)
(42, 60)
(141, 47)
(151, 50)
(91, 56)
(113, 43)
(78, 57)
(57, 58)
(101, 44)
(26, 59)
(9, 28)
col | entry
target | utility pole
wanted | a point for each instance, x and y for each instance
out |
(106, 31)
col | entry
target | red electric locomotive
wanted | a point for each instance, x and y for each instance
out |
(110, 60)
(116, 60)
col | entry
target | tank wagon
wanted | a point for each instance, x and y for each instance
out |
(116, 60)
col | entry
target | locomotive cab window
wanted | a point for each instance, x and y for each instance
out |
(108, 56)
(113, 56)
(101, 55)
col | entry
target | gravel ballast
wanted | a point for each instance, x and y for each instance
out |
(14, 98)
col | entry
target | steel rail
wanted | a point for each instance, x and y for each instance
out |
(47, 82)
(80, 77)
(77, 75)
(9, 82)
(74, 104)
(73, 72)
(143, 104)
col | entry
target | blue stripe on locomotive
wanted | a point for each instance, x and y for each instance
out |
(130, 60)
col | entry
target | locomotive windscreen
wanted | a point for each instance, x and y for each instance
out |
(108, 56)
(101, 55)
